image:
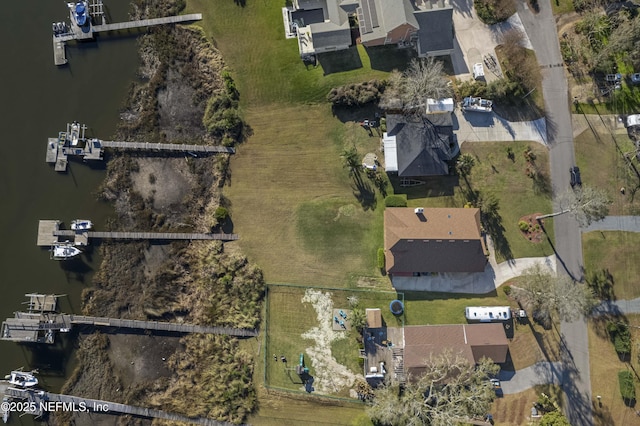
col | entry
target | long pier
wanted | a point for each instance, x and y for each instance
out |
(40, 327)
(49, 233)
(45, 402)
(71, 144)
(76, 33)
(117, 235)
(147, 146)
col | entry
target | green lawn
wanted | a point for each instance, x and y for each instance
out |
(267, 67)
(562, 6)
(288, 318)
(602, 165)
(613, 254)
(424, 308)
(494, 174)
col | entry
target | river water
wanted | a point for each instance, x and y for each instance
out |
(37, 100)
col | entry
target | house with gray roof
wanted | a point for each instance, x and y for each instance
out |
(323, 25)
(419, 146)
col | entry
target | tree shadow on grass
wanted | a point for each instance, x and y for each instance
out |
(491, 219)
(364, 193)
(340, 61)
(388, 58)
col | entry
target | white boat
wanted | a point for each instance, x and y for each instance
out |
(5, 411)
(477, 104)
(22, 379)
(74, 135)
(81, 225)
(64, 251)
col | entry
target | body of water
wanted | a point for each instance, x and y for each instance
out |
(37, 100)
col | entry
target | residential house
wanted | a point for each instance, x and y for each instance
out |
(424, 241)
(419, 146)
(473, 341)
(323, 25)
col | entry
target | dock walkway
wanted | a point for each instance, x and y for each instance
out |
(45, 400)
(146, 146)
(146, 23)
(40, 328)
(148, 235)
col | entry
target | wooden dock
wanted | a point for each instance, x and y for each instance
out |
(46, 401)
(147, 235)
(146, 146)
(146, 23)
(39, 327)
(76, 33)
(49, 233)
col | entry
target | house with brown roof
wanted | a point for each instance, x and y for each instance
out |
(473, 341)
(424, 241)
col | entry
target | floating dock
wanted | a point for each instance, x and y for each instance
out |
(49, 233)
(42, 302)
(88, 32)
(73, 143)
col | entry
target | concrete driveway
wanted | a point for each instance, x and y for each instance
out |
(541, 373)
(482, 126)
(474, 40)
(494, 275)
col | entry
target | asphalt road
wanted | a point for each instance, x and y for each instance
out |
(541, 29)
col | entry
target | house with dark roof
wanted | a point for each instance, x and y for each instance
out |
(323, 25)
(424, 241)
(473, 341)
(419, 146)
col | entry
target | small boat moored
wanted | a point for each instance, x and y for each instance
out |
(64, 251)
(81, 225)
(22, 379)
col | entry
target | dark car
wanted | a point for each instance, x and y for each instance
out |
(575, 176)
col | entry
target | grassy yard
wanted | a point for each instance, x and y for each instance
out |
(602, 165)
(286, 325)
(515, 410)
(615, 253)
(298, 212)
(562, 6)
(604, 366)
(495, 175)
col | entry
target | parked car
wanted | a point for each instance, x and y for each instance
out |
(635, 78)
(495, 383)
(575, 178)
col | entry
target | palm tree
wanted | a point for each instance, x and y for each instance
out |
(351, 161)
(464, 165)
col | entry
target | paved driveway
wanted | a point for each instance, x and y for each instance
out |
(493, 276)
(482, 126)
(474, 39)
(541, 373)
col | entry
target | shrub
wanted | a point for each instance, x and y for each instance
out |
(523, 225)
(356, 94)
(621, 337)
(493, 11)
(507, 289)
(396, 200)
(221, 214)
(380, 258)
(627, 387)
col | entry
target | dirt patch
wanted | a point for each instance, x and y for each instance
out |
(141, 357)
(163, 180)
(533, 231)
(330, 376)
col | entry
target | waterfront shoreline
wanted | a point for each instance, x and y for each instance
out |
(140, 280)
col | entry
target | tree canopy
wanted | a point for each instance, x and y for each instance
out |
(408, 91)
(586, 204)
(450, 391)
(548, 294)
